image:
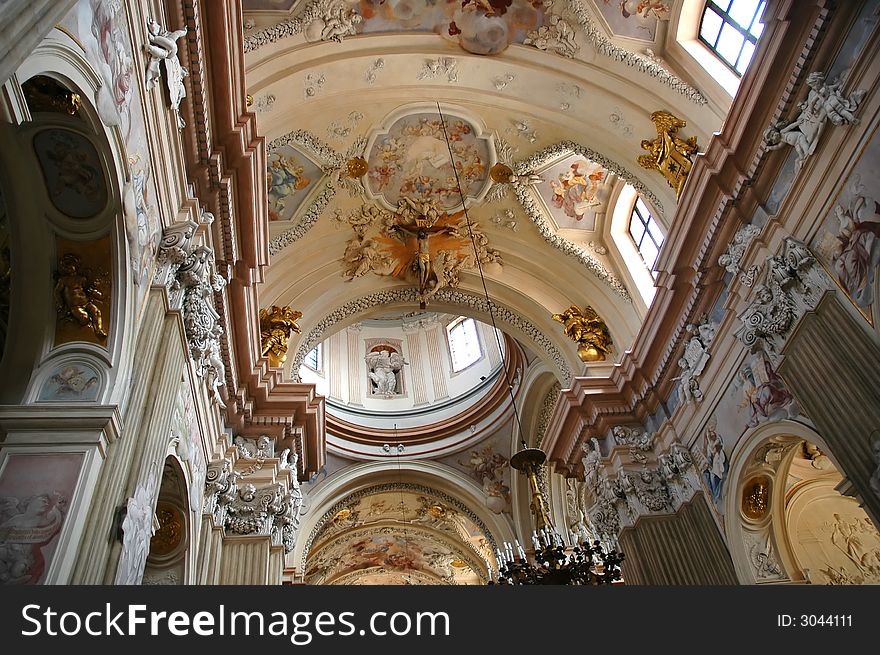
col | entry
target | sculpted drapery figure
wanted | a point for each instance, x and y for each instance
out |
(824, 103)
(590, 332)
(383, 367)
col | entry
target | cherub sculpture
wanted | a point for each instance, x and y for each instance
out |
(77, 295)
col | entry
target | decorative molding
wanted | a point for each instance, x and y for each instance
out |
(547, 407)
(270, 510)
(533, 211)
(373, 70)
(558, 150)
(186, 271)
(220, 484)
(439, 68)
(642, 63)
(555, 35)
(331, 20)
(793, 285)
(289, 27)
(265, 103)
(446, 295)
(764, 563)
(500, 82)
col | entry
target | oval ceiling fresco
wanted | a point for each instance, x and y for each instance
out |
(411, 159)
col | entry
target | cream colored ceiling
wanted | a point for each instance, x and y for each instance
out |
(336, 93)
(398, 537)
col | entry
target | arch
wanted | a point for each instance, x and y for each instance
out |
(760, 543)
(331, 496)
(58, 59)
(172, 545)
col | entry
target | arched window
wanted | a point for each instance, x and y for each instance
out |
(464, 346)
(314, 358)
(645, 233)
(731, 29)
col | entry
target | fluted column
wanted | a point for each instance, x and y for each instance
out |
(416, 360)
(246, 561)
(684, 548)
(333, 366)
(490, 343)
(209, 553)
(832, 366)
(436, 362)
(355, 358)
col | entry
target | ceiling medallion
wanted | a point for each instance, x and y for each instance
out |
(501, 173)
(356, 167)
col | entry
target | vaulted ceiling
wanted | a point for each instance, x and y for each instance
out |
(567, 91)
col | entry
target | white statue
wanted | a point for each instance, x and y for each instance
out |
(824, 103)
(163, 47)
(384, 366)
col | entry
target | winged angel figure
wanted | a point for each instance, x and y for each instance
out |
(163, 48)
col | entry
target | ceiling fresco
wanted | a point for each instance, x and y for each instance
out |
(635, 19)
(398, 537)
(291, 177)
(574, 190)
(412, 159)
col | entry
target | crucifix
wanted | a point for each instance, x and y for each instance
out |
(421, 219)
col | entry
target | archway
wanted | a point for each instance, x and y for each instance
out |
(788, 520)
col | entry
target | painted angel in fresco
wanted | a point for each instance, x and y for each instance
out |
(766, 397)
(286, 177)
(27, 525)
(857, 252)
(575, 190)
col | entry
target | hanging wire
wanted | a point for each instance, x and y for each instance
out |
(398, 449)
(482, 279)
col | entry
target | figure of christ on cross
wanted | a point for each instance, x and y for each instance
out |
(423, 227)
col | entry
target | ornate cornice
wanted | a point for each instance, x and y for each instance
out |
(446, 295)
(640, 62)
(721, 195)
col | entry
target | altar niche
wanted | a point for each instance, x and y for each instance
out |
(385, 371)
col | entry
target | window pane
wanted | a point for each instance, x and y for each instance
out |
(636, 229)
(711, 26)
(313, 359)
(656, 234)
(729, 43)
(743, 11)
(758, 27)
(649, 253)
(745, 57)
(464, 346)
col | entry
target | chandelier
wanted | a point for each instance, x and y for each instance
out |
(553, 562)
